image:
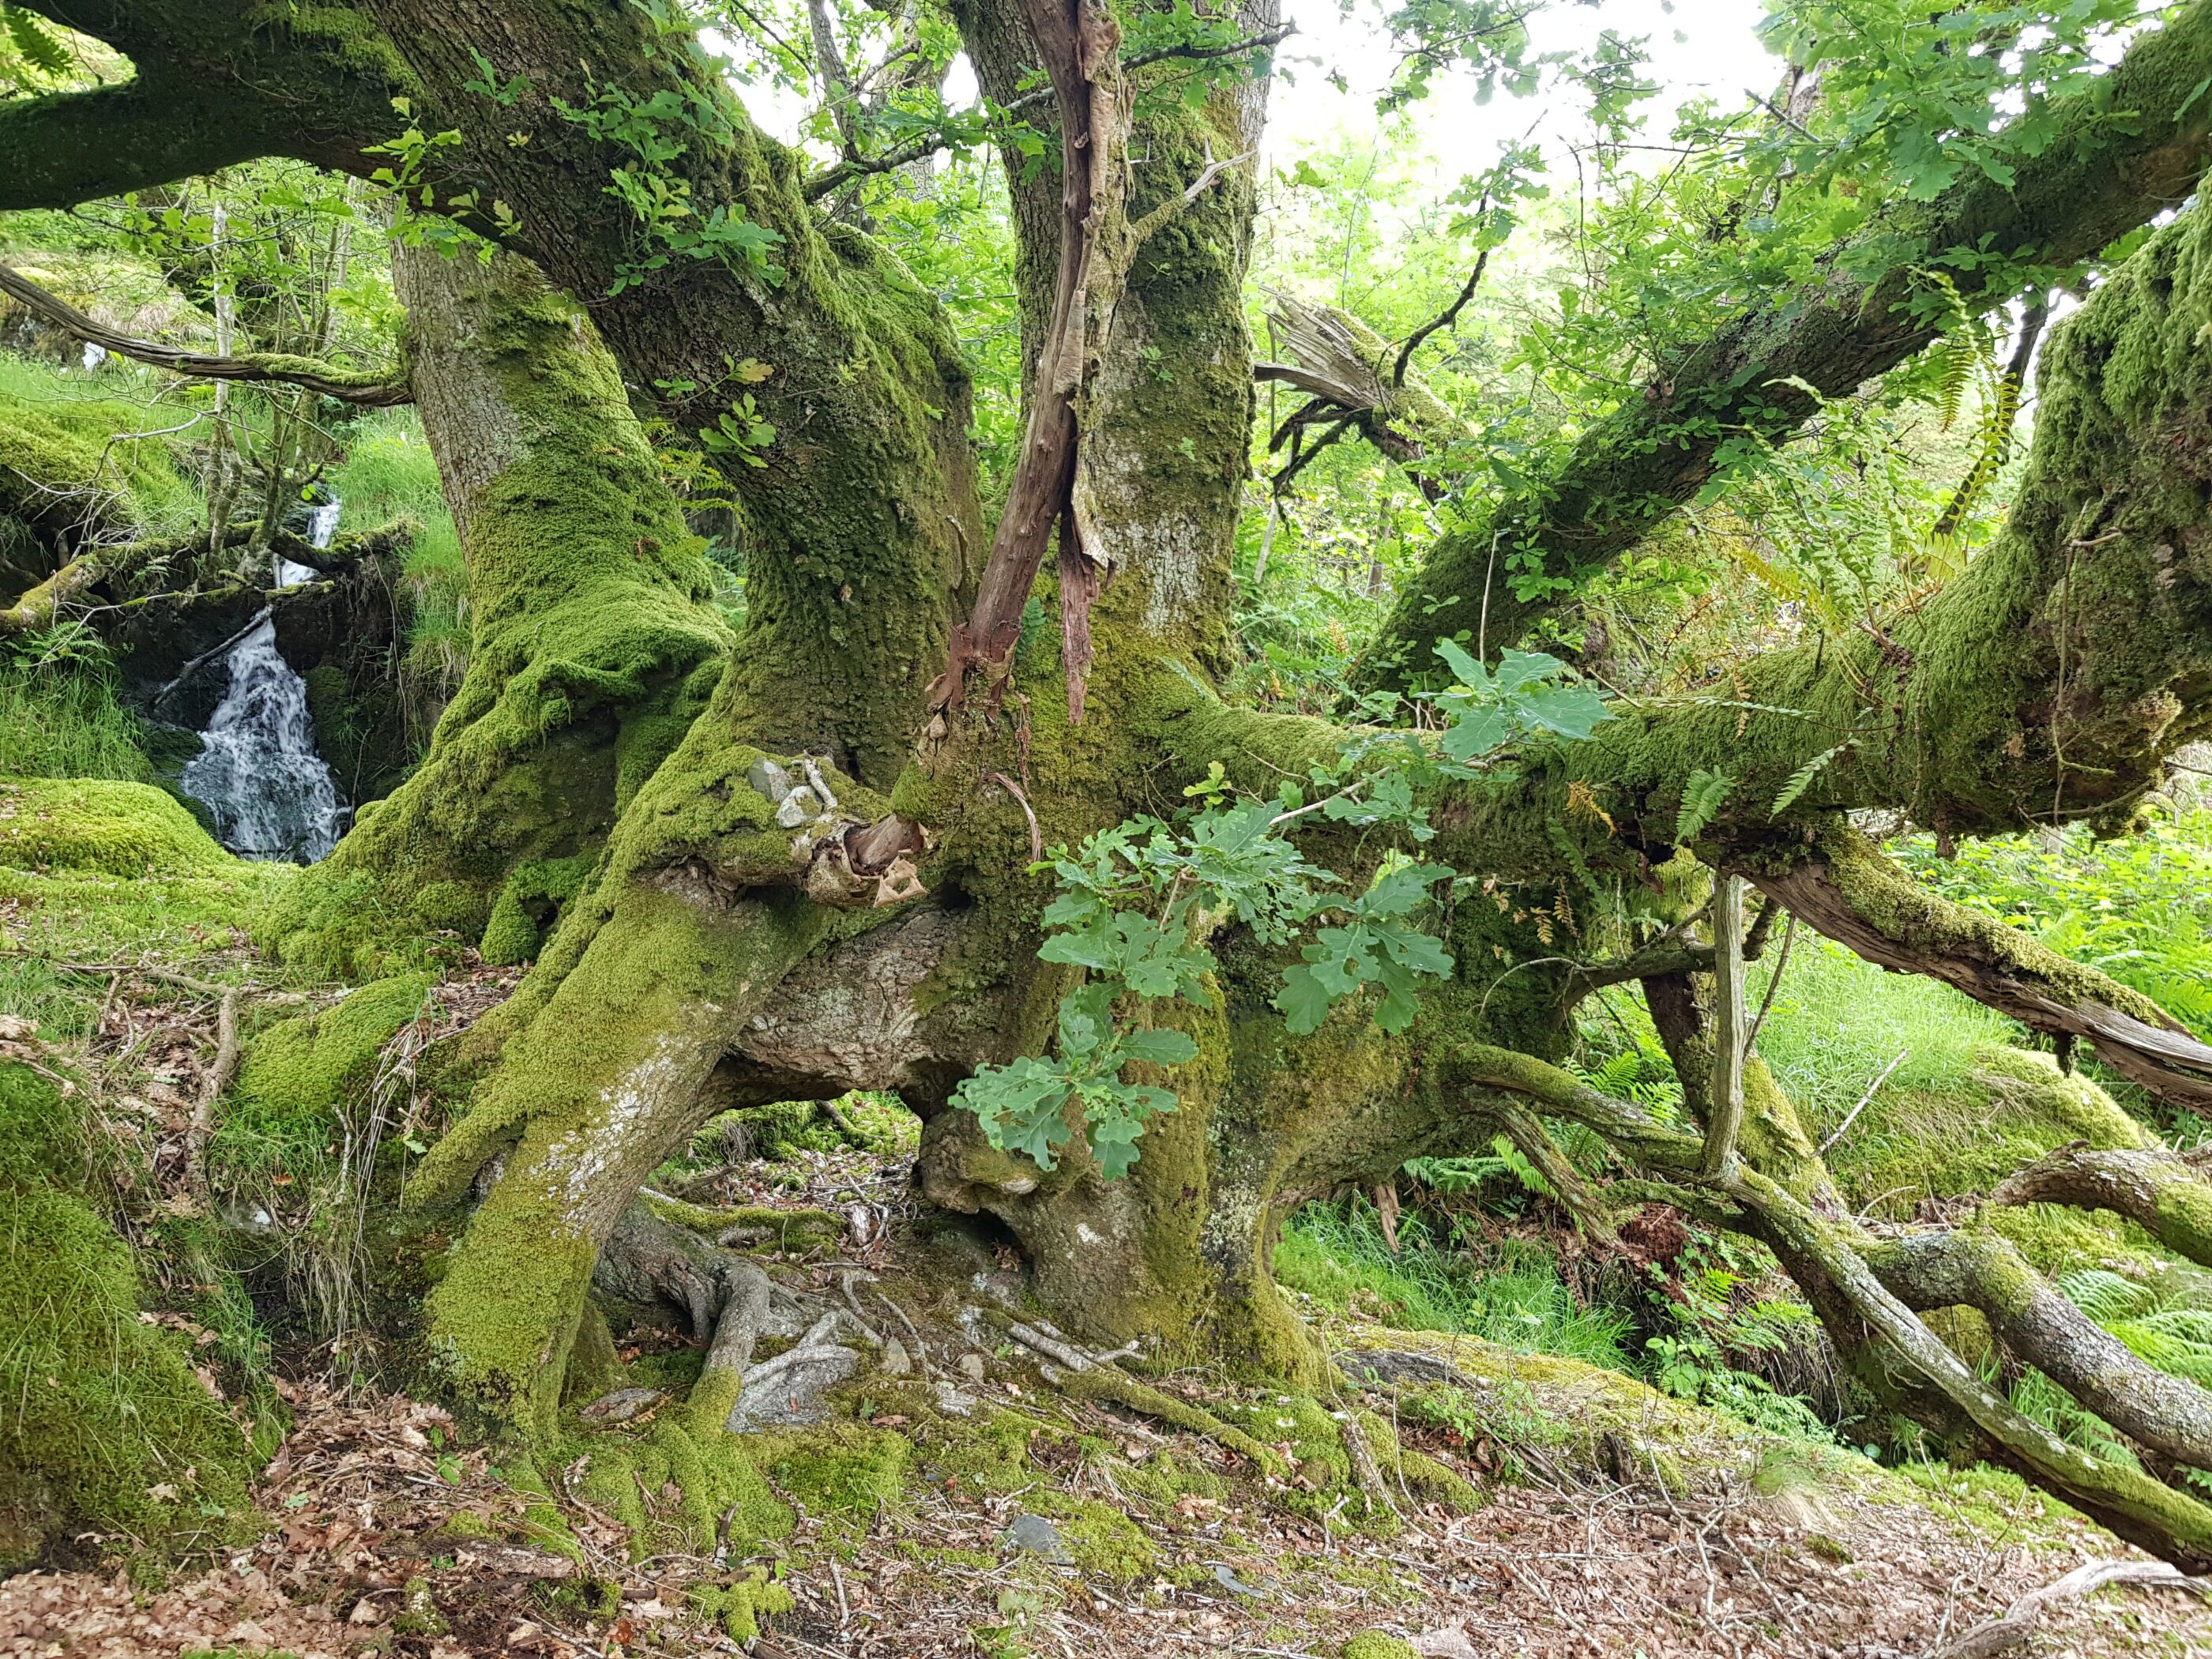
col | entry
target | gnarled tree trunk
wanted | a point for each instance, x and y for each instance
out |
(594, 641)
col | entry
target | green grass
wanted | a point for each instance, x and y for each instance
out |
(2139, 907)
(1336, 1255)
(389, 473)
(132, 401)
(64, 722)
(1838, 1020)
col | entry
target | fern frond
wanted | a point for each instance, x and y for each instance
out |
(35, 42)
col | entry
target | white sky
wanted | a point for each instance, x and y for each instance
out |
(1717, 52)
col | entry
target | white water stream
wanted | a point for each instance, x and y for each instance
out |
(259, 774)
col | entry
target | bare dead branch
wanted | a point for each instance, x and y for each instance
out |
(2017, 1623)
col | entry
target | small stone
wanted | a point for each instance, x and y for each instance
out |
(971, 1366)
(895, 1361)
(952, 1402)
(770, 780)
(1038, 1536)
(799, 806)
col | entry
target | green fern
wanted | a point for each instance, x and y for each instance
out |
(34, 41)
(1801, 779)
(2105, 1296)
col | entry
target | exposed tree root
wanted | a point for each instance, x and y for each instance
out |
(2150, 1186)
(747, 1223)
(1111, 1384)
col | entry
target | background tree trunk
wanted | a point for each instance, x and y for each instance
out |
(594, 641)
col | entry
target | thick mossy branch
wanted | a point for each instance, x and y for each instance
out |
(216, 83)
(2096, 180)
(2151, 1186)
(2139, 1508)
(2166, 1415)
(2049, 682)
(1111, 1384)
(1853, 893)
(595, 641)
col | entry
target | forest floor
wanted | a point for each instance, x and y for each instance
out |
(1749, 1547)
(1613, 1521)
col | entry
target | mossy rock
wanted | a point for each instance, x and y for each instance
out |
(510, 937)
(1374, 1644)
(98, 824)
(109, 1432)
(297, 1072)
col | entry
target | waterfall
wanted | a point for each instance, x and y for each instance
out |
(259, 774)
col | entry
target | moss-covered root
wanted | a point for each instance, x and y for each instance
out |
(585, 1102)
(1111, 1384)
(2131, 1503)
(784, 1230)
(1852, 892)
(594, 638)
(2152, 1188)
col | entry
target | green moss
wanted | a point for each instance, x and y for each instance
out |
(298, 1075)
(510, 937)
(1162, 1478)
(62, 461)
(740, 1605)
(840, 1470)
(107, 1428)
(1374, 1644)
(1101, 1538)
(100, 825)
(590, 607)
(671, 1488)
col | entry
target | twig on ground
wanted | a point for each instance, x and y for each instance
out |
(213, 1082)
(2019, 1621)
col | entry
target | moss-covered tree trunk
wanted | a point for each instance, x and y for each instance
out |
(594, 639)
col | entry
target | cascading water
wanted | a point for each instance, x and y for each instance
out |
(259, 774)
